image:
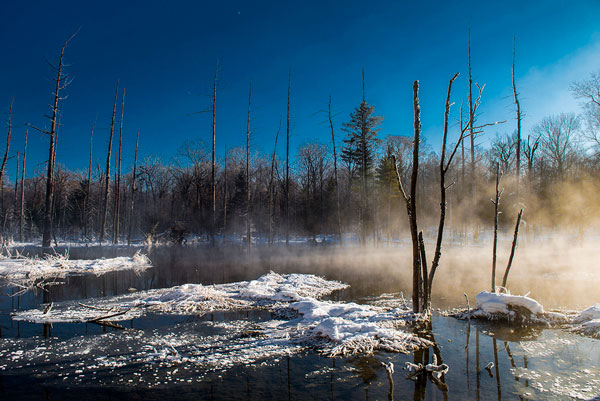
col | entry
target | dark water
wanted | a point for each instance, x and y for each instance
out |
(528, 363)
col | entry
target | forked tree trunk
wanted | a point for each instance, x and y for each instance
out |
(518, 110)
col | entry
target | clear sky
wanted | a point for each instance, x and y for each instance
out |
(164, 54)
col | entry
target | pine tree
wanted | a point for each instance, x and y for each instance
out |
(359, 149)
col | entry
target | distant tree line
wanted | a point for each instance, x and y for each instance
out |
(330, 188)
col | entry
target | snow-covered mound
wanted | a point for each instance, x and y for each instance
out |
(588, 321)
(337, 328)
(60, 266)
(514, 308)
(353, 328)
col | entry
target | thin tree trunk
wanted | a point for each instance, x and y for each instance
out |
(212, 173)
(2, 169)
(107, 172)
(271, 187)
(335, 173)
(22, 211)
(248, 237)
(89, 184)
(118, 179)
(412, 205)
(496, 206)
(287, 167)
(518, 110)
(132, 201)
(15, 202)
(471, 120)
(225, 195)
(512, 250)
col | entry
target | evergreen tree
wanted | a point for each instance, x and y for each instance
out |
(359, 149)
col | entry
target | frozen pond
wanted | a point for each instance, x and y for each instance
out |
(225, 355)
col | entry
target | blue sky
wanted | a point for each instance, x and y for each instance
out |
(164, 54)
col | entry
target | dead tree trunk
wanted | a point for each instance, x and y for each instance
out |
(335, 174)
(212, 172)
(512, 250)
(15, 201)
(410, 201)
(496, 206)
(518, 110)
(225, 195)
(60, 82)
(287, 167)
(107, 172)
(3, 167)
(132, 201)
(272, 187)
(471, 121)
(117, 208)
(22, 208)
(89, 184)
(248, 235)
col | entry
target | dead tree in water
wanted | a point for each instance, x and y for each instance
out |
(61, 81)
(335, 173)
(518, 110)
(496, 206)
(132, 200)
(272, 187)
(248, 237)
(422, 279)
(107, 171)
(86, 199)
(22, 208)
(512, 250)
(287, 166)
(117, 208)
(212, 171)
(8, 135)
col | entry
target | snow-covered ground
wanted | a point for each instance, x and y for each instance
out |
(336, 328)
(525, 310)
(60, 266)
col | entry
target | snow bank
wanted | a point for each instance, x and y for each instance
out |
(588, 322)
(514, 308)
(336, 328)
(60, 266)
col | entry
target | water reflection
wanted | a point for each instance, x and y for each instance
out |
(291, 377)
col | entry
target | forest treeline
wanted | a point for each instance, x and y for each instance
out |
(320, 188)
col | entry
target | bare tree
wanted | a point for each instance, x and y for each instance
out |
(559, 139)
(335, 173)
(512, 249)
(519, 117)
(272, 187)
(248, 234)
(107, 171)
(287, 166)
(61, 81)
(212, 173)
(133, 188)
(117, 208)
(86, 199)
(496, 203)
(529, 149)
(8, 135)
(22, 208)
(589, 91)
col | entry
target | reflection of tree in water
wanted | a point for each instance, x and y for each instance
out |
(423, 357)
(366, 367)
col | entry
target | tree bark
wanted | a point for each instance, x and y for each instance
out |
(412, 205)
